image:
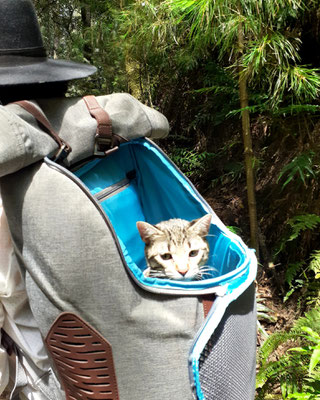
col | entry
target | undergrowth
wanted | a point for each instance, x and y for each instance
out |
(302, 274)
(289, 361)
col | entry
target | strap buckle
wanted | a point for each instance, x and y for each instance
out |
(101, 145)
(105, 142)
(104, 146)
(62, 152)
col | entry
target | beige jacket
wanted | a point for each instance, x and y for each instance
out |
(15, 314)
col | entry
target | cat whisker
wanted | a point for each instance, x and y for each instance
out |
(157, 274)
(207, 266)
(208, 270)
(168, 276)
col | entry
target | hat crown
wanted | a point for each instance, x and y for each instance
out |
(19, 29)
(23, 58)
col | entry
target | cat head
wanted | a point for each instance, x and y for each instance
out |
(176, 249)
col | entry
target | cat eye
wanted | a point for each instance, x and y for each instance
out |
(193, 253)
(166, 256)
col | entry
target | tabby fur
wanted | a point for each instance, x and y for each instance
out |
(176, 248)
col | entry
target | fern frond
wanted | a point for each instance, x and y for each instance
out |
(265, 373)
(296, 109)
(313, 294)
(293, 270)
(285, 371)
(272, 343)
(315, 263)
(303, 396)
(311, 320)
(297, 369)
(296, 285)
(301, 223)
(301, 167)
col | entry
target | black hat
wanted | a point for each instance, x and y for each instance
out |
(23, 58)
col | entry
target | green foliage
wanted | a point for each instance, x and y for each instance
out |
(301, 223)
(294, 368)
(293, 109)
(271, 55)
(260, 104)
(165, 40)
(300, 169)
(311, 319)
(218, 95)
(192, 163)
(85, 32)
(295, 278)
(315, 263)
(235, 229)
(301, 273)
(303, 82)
(292, 271)
(150, 25)
(232, 172)
(264, 313)
(312, 298)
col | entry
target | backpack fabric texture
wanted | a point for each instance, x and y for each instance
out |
(73, 227)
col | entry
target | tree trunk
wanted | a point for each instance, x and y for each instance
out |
(86, 25)
(248, 152)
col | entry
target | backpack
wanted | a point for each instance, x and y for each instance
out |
(72, 201)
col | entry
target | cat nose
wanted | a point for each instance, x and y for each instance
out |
(182, 270)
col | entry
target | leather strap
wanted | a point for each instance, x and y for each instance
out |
(207, 302)
(64, 147)
(106, 140)
(104, 126)
(83, 359)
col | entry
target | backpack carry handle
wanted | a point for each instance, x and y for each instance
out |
(106, 141)
(64, 147)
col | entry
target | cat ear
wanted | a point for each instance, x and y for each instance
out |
(201, 226)
(147, 231)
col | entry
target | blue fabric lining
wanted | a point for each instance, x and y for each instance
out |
(158, 192)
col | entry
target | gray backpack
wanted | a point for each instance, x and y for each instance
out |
(72, 202)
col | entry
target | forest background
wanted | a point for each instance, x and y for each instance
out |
(239, 82)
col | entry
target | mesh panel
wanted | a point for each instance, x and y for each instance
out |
(228, 362)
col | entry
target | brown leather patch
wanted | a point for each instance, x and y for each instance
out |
(83, 359)
(207, 301)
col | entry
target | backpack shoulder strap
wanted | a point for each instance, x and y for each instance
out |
(64, 147)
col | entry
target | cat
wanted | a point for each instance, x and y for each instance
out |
(176, 248)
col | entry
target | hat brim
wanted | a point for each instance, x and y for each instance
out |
(19, 70)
